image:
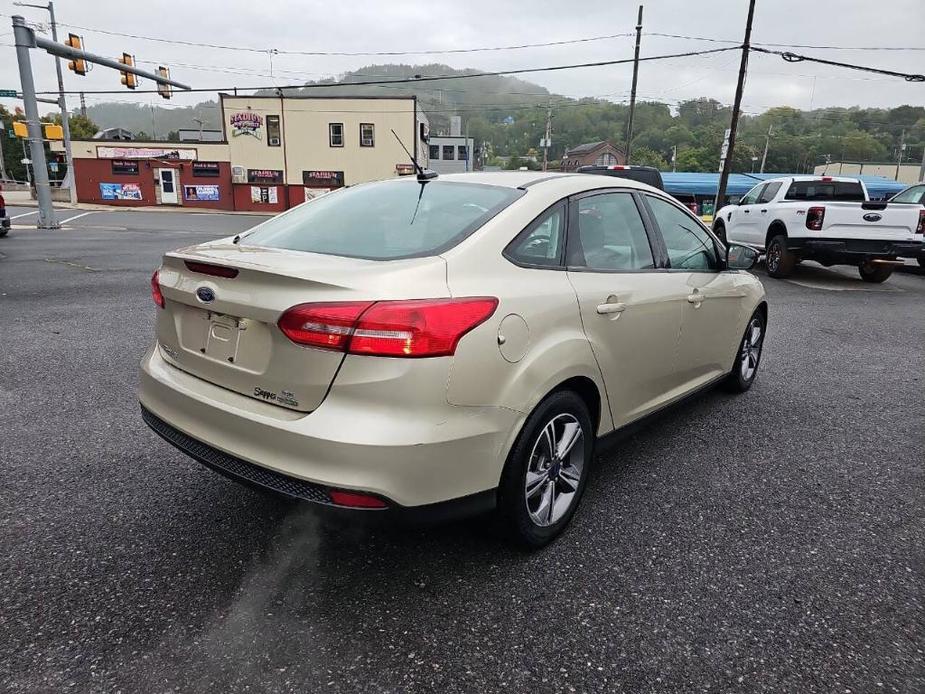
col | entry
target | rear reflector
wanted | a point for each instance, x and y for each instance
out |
(356, 499)
(920, 229)
(209, 269)
(415, 328)
(156, 289)
(814, 218)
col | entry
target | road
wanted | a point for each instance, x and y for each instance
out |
(766, 542)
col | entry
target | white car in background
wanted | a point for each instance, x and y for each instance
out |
(824, 218)
(437, 347)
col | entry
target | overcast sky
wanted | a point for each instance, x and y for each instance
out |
(408, 25)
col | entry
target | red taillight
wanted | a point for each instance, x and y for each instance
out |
(826, 178)
(416, 328)
(209, 269)
(2, 201)
(356, 499)
(322, 325)
(814, 218)
(156, 289)
(920, 229)
(617, 167)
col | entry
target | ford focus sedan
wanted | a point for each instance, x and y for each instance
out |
(427, 348)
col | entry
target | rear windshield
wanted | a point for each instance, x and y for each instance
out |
(846, 191)
(386, 220)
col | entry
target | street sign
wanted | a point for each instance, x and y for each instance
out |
(53, 166)
(11, 134)
(25, 161)
(8, 93)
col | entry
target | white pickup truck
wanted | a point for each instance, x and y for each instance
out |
(827, 219)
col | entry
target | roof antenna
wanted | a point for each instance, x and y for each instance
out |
(424, 175)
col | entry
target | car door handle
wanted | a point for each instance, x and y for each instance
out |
(747, 211)
(763, 211)
(612, 307)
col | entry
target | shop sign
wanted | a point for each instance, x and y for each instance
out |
(205, 168)
(145, 153)
(264, 195)
(404, 169)
(125, 166)
(264, 176)
(246, 123)
(210, 193)
(323, 179)
(120, 191)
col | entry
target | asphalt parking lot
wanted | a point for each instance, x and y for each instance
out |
(765, 542)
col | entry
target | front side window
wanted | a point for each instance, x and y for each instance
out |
(610, 235)
(751, 197)
(385, 220)
(914, 195)
(448, 152)
(367, 135)
(689, 245)
(273, 131)
(435, 152)
(336, 134)
(770, 190)
(541, 242)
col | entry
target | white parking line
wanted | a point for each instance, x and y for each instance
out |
(78, 216)
(25, 214)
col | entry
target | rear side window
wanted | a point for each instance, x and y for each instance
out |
(610, 235)
(540, 244)
(386, 220)
(768, 192)
(916, 194)
(845, 191)
(689, 245)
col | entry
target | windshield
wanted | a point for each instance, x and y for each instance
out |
(386, 220)
(845, 191)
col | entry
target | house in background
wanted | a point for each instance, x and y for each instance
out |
(602, 153)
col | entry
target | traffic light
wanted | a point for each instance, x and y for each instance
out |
(79, 66)
(164, 89)
(128, 79)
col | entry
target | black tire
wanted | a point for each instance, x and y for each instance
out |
(740, 379)
(4, 232)
(780, 261)
(921, 262)
(563, 407)
(872, 272)
(720, 230)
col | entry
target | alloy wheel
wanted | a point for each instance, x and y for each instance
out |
(555, 470)
(751, 349)
(774, 255)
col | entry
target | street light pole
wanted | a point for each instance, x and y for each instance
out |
(25, 41)
(65, 121)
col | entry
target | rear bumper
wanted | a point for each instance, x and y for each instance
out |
(413, 458)
(856, 249)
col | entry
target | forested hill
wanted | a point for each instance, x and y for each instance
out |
(510, 115)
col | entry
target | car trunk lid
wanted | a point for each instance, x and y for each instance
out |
(223, 328)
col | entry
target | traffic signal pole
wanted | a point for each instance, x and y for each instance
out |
(25, 41)
(65, 122)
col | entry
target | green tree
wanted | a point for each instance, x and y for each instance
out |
(644, 156)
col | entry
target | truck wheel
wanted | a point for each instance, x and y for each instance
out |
(779, 260)
(872, 272)
(720, 230)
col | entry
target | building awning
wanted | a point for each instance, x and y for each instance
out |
(682, 184)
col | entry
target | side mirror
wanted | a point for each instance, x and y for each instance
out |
(740, 257)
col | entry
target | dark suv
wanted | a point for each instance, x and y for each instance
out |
(644, 174)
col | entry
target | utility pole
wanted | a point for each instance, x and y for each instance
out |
(83, 105)
(767, 143)
(629, 124)
(736, 107)
(548, 136)
(902, 150)
(62, 104)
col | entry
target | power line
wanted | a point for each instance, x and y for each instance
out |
(481, 49)
(787, 45)
(423, 78)
(796, 58)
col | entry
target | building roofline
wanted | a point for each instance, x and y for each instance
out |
(225, 95)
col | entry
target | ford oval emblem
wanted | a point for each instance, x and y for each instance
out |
(872, 217)
(205, 295)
